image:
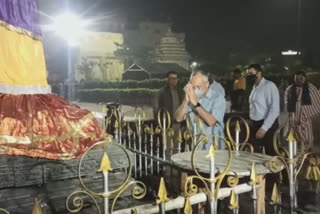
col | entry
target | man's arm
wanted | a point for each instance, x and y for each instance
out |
(273, 100)
(182, 110)
(207, 117)
(315, 101)
(216, 113)
(158, 103)
(160, 99)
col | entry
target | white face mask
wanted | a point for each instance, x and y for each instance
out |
(199, 93)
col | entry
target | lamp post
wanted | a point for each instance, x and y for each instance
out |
(193, 66)
(69, 27)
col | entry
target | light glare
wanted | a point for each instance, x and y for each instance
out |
(290, 53)
(70, 27)
(194, 64)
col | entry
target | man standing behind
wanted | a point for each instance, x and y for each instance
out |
(202, 101)
(302, 100)
(264, 110)
(170, 98)
(238, 92)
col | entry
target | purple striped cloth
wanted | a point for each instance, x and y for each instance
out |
(20, 13)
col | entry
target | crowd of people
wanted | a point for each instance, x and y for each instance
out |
(205, 98)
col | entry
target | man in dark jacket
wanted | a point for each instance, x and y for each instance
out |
(170, 97)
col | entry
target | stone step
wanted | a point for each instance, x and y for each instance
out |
(20, 171)
(53, 195)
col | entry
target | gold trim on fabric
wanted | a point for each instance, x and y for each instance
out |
(20, 30)
(71, 132)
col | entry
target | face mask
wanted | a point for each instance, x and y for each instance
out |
(199, 93)
(251, 79)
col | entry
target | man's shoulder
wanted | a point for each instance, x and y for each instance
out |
(216, 86)
(163, 89)
(218, 97)
(269, 83)
(289, 87)
(311, 86)
(220, 85)
(216, 83)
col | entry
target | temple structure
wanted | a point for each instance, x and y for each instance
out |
(171, 49)
(164, 45)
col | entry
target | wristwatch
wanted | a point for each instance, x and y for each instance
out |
(197, 105)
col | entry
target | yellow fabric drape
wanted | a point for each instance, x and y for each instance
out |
(22, 60)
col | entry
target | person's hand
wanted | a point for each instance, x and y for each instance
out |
(260, 133)
(192, 96)
(186, 91)
(186, 88)
(186, 98)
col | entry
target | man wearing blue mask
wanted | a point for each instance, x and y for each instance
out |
(202, 102)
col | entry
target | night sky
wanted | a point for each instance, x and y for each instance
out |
(215, 28)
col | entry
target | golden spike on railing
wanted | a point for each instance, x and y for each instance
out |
(179, 137)
(317, 172)
(134, 211)
(171, 144)
(238, 126)
(212, 152)
(312, 172)
(215, 142)
(162, 193)
(308, 173)
(187, 148)
(116, 125)
(105, 164)
(187, 207)
(36, 207)
(290, 137)
(253, 175)
(233, 201)
(275, 199)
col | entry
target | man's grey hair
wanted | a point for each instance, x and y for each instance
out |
(203, 74)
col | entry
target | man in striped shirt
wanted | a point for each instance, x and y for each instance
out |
(302, 100)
